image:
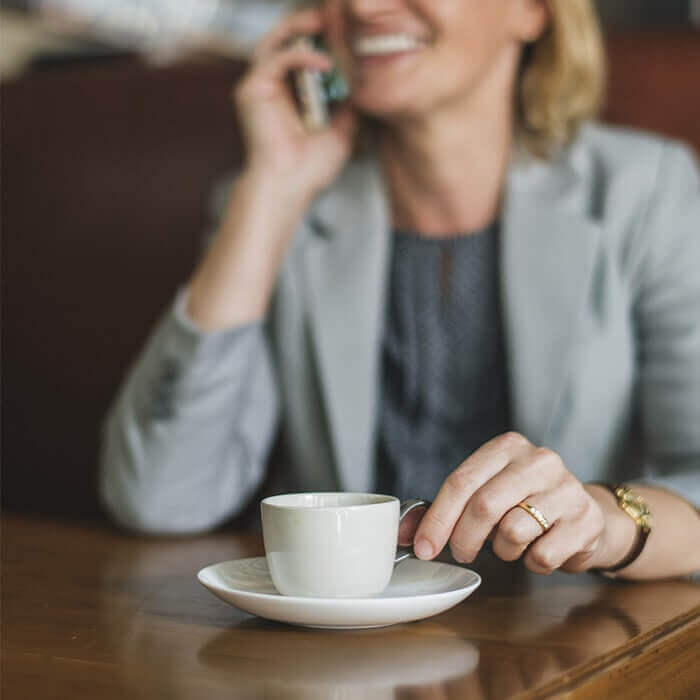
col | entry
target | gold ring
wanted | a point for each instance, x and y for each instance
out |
(537, 514)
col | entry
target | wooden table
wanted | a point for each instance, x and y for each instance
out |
(92, 613)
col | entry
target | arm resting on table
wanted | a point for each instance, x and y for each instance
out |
(667, 313)
(186, 442)
(673, 545)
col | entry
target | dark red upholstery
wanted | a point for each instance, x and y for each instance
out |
(105, 175)
(655, 83)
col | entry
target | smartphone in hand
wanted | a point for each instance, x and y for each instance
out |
(317, 91)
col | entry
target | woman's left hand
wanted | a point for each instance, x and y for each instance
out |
(479, 500)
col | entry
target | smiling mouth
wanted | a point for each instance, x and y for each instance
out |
(385, 44)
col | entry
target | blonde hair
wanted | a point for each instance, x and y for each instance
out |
(562, 78)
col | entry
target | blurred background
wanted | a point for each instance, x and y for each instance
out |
(116, 125)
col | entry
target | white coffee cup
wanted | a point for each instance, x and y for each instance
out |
(333, 545)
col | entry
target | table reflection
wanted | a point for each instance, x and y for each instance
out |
(516, 633)
(289, 662)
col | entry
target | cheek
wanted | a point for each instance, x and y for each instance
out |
(416, 88)
(472, 32)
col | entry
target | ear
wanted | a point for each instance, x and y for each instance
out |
(531, 19)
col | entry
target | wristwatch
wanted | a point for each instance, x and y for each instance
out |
(636, 507)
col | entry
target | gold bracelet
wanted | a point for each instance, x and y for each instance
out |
(636, 507)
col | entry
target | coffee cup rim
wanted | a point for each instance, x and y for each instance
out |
(383, 499)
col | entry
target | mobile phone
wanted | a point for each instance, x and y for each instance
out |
(317, 91)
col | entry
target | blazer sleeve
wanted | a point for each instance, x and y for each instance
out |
(186, 442)
(667, 313)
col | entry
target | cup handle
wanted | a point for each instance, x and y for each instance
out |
(406, 508)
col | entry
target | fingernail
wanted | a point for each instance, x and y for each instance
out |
(423, 549)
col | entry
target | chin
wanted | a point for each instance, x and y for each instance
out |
(384, 106)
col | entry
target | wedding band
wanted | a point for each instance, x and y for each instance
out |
(537, 514)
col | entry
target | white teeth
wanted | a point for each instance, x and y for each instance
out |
(384, 44)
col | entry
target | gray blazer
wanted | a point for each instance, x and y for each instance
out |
(600, 275)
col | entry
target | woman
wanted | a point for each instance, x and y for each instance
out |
(498, 302)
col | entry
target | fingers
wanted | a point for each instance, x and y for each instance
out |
(576, 537)
(267, 80)
(274, 57)
(293, 58)
(490, 459)
(515, 533)
(480, 498)
(517, 529)
(539, 470)
(301, 23)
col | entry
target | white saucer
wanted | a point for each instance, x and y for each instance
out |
(418, 589)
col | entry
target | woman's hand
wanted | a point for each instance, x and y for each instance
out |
(286, 167)
(479, 500)
(277, 143)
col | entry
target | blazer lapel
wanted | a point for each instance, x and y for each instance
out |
(549, 242)
(346, 276)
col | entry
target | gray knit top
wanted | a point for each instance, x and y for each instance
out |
(444, 375)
